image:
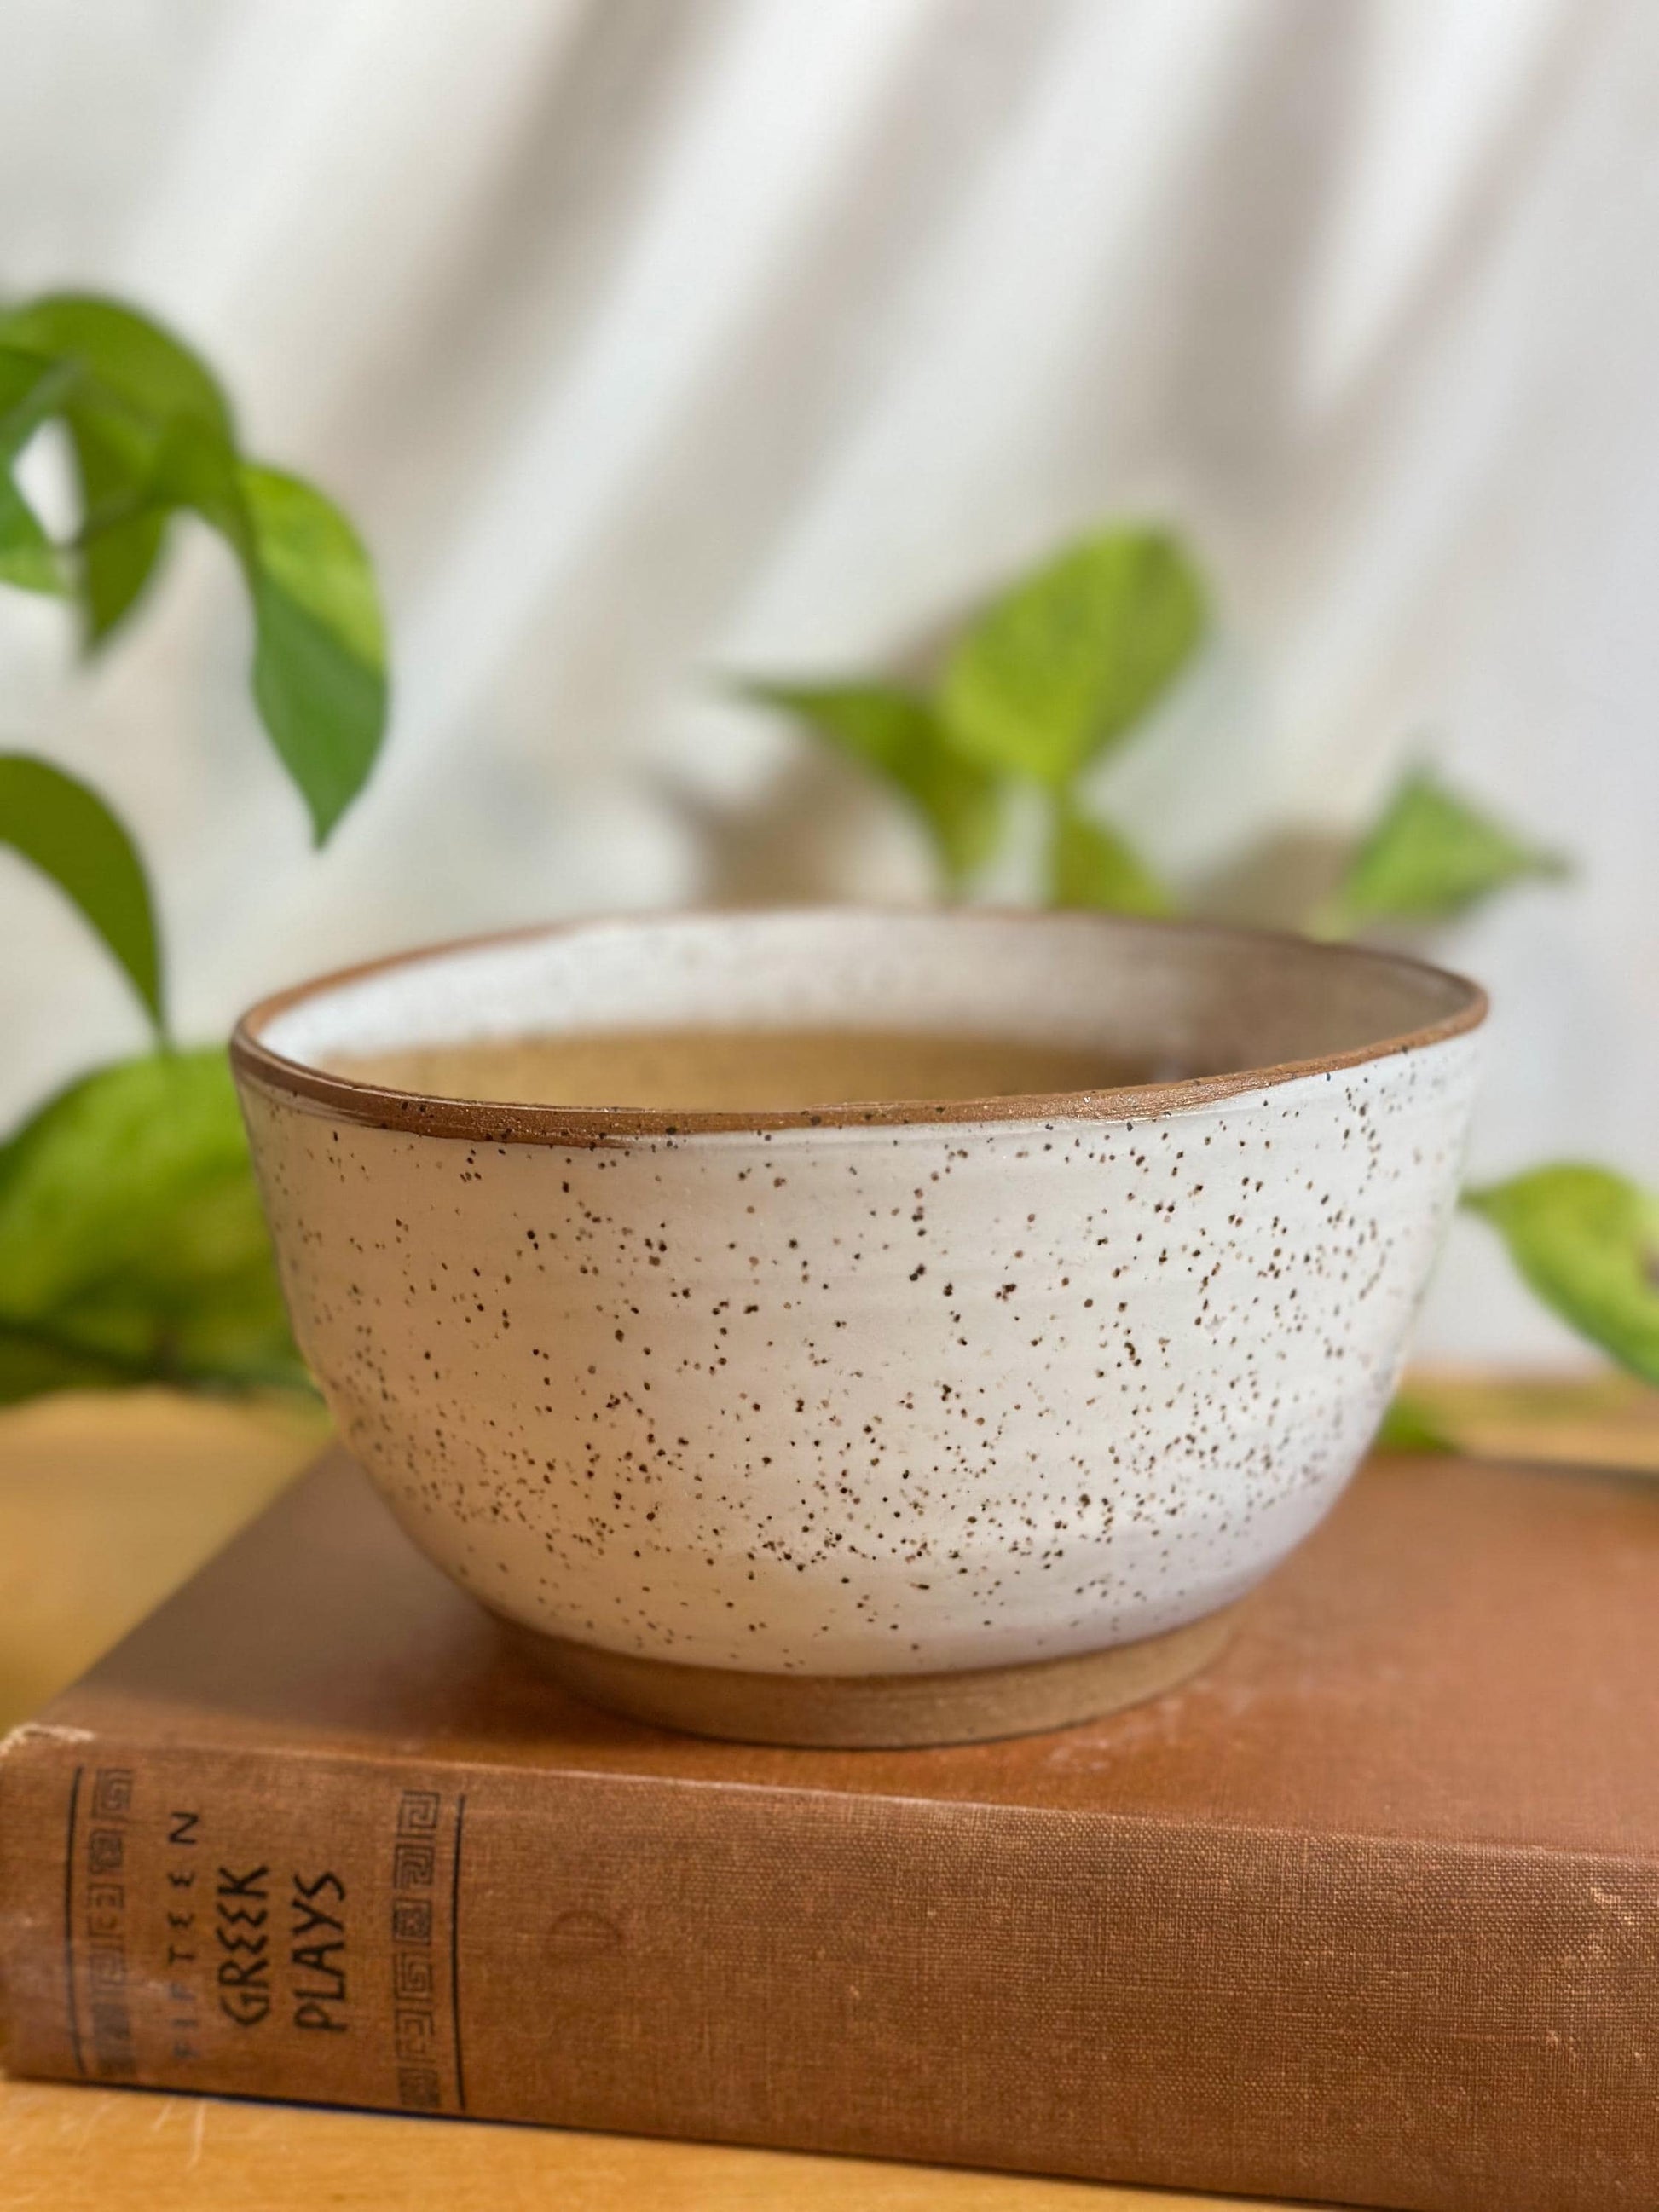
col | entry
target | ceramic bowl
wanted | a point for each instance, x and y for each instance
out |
(896, 1423)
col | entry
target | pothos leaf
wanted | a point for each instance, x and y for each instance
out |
(140, 369)
(1430, 856)
(1064, 664)
(30, 389)
(319, 638)
(153, 435)
(130, 382)
(29, 559)
(132, 1248)
(1090, 865)
(319, 659)
(63, 826)
(1587, 1242)
(1409, 1425)
(121, 543)
(898, 737)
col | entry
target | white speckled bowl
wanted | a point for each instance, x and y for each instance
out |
(870, 1424)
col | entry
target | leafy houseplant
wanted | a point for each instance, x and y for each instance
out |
(131, 1244)
(1061, 670)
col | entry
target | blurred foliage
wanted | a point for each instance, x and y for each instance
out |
(1587, 1242)
(1411, 1425)
(1090, 864)
(1046, 681)
(1059, 669)
(63, 826)
(1430, 857)
(132, 1248)
(153, 438)
(1057, 673)
(900, 737)
(28, 389)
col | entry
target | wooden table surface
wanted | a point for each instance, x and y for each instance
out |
(106, 1504)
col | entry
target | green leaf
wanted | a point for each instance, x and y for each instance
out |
(30, 390)
(1063, 665)
(306, 549)
(119, 554)
(1587, 1242)
(152, 434)
(898, 736)
(132, 1248)
(63, 826)
(319, 660)
(134, 384)
(1430, 856)
(139, 366)
(197, 467)
(319, 638)
(1409, 1425)
(29, 559)
(1091, 865)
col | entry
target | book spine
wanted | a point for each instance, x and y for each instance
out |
(1440, 2028)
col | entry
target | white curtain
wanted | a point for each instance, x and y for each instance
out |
(654, 340)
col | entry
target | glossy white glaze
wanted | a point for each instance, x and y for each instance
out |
(883, 1398)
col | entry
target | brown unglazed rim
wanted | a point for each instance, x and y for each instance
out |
(874, 1713)
(506, 1123)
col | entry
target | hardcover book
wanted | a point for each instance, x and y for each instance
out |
(1368, 1911)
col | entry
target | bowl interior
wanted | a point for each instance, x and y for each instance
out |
(1172, 1003)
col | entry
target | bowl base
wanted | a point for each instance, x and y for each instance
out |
(879, 1711)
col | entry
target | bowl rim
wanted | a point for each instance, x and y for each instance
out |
(508, 1121)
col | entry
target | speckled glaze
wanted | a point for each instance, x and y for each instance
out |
(869, 1391)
